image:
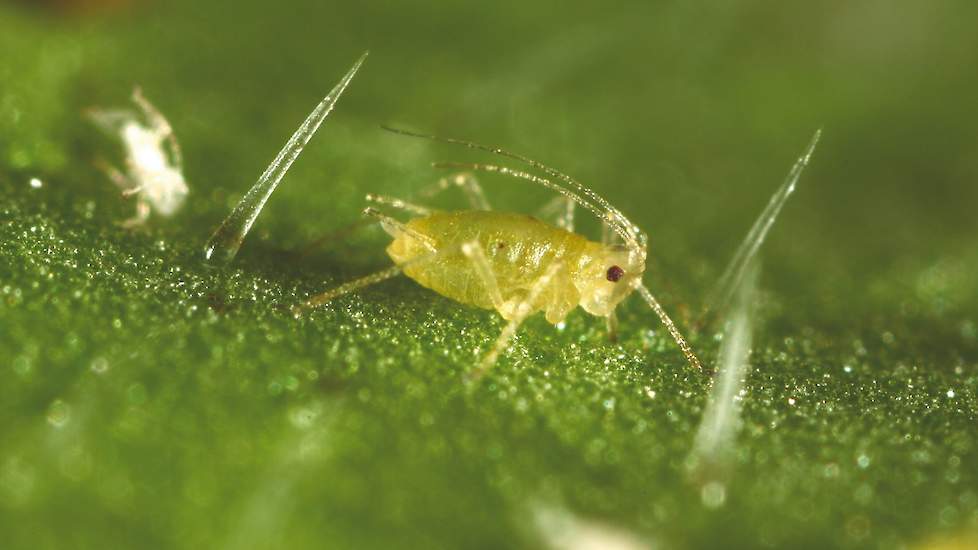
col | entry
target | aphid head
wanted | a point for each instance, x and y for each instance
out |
(606, 275)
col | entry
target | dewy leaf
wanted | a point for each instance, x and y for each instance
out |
(224, 244)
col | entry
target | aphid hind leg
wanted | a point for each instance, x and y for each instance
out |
(395, 229)
(464, 181)
(520, 312)
(467, 182)
(347, 288)
(365, 281)
(390, 225)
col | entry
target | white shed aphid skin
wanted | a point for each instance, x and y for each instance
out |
(154, 163)
(512, 263)
(224, 244)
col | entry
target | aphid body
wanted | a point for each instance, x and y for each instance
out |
(518, 250)
(154, 165)
(515, 264)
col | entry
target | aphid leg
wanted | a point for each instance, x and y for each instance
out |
(399, 204)
(153, 115)
(474, 252)
(160, 125)
(608, 237)
(611, 325)
(362, 282)
(347, 288)
(671, 327)
(342, 232)
(561, 209)
(142, 214)
(520, 313)
(126, 185)
(464, 181)
(395, 228)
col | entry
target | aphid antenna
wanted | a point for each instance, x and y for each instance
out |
(539, 180)
(628, 230)
(687, 350)
(223, 245)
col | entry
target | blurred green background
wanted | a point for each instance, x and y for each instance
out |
(150, 402)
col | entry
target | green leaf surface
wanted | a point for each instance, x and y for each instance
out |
(151, 401)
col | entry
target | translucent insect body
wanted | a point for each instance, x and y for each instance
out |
(154, 165)
(515, 264)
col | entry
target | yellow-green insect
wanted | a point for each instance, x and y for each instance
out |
(515, 264)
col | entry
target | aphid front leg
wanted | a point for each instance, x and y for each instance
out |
(464, 181)
(520, 312)
(611, 326)
(608, 237)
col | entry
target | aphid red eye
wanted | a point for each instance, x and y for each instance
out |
(615, 273)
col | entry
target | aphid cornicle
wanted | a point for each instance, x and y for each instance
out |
(511, 263)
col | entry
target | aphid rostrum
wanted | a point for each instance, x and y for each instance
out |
(154, 163)
(515, 264)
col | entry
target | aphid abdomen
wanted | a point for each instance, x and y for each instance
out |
(519, 249)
